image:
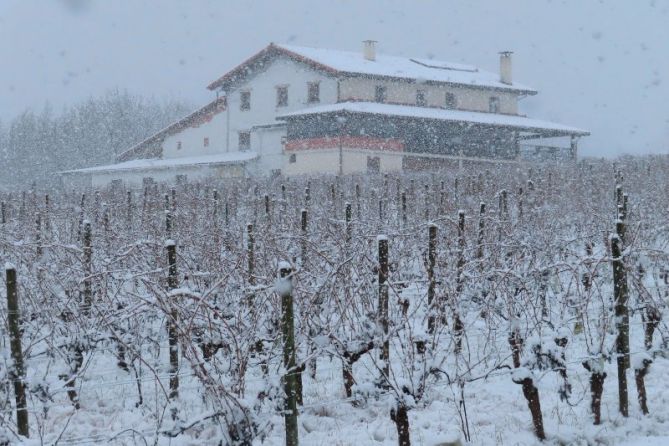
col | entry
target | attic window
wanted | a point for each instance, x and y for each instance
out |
(206, 142)
(380, 94)
(178, 145)
(245, 100)
(292, 159)
(281, 96)
(420, 98)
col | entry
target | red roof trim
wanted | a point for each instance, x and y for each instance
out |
(267, 51)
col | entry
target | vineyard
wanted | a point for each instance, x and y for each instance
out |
(505, 305)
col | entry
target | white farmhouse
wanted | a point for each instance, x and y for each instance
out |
(298, 110)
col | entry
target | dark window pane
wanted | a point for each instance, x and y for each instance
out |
(281, 96)
(420, 98)
(244, 140)
(245, 100)
(451, 101)
(380, 94)
(313, 92)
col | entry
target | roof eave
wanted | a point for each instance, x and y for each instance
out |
(94, 170)
(545, 132)
(412, 80)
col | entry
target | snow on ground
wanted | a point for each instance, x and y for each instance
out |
(496, 411)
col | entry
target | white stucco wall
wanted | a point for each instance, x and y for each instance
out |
(359, 88)
(134, 178)
(327, 161)
(192, 139)
(267, 142)
(263, 85)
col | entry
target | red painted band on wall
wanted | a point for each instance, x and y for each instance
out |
(356, 142)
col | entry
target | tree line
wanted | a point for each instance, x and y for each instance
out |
(37, 145)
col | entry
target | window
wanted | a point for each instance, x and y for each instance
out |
(373, 164)
(244, 140)
(494, 104)
(245, 100)
(451, 101)
(281, 96)
(420, 98)
(178, 145)
(313, 92)
(292, 159)
(206, 142)
(380, 94)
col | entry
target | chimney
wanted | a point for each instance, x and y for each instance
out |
(505, 73)
(369, 49)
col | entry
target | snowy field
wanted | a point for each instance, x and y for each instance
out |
(521, 291)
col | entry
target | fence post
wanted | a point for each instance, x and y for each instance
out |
(172, 334)
(17, 374)
(285, 291)
(383, 305)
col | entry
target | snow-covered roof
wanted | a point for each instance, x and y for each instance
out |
(353, 63)
(521, 123)
(156, 163)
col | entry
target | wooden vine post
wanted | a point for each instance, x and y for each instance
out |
(88, 267)
(172, 331)
(621, 295)
(349, 227)
(304, 225)
(285, 290)
(250, 254)
(481, 235)
(17, 373)
(383, 306)
(458, 325)
(431, 282)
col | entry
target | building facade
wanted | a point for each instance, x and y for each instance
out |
(299, 110)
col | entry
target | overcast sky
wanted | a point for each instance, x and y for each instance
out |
(598, 65)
